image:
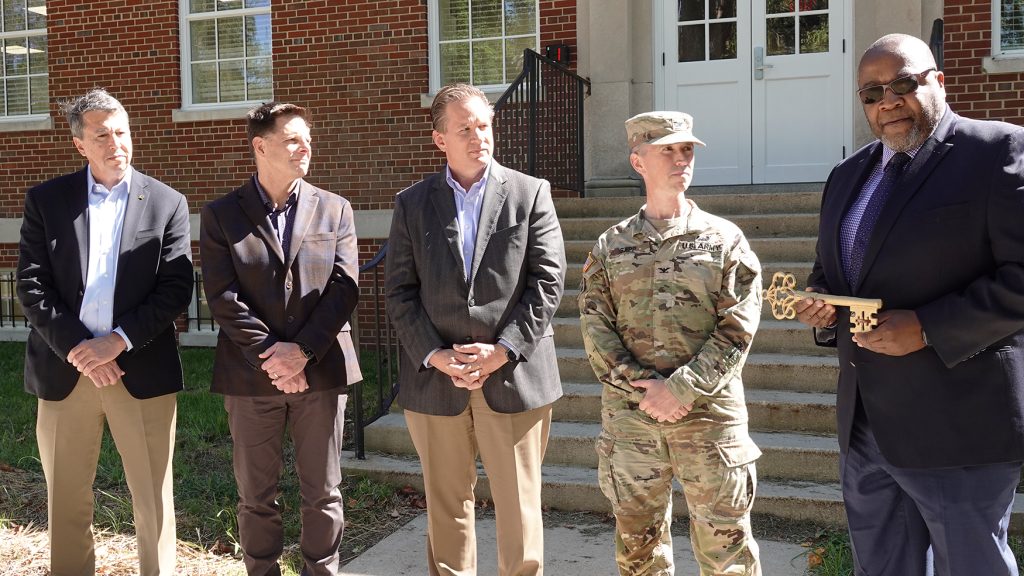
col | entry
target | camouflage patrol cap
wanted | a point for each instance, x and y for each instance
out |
(660, 127)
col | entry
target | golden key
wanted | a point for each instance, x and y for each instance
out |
(782, 295)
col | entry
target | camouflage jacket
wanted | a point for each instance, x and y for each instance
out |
(683, 307)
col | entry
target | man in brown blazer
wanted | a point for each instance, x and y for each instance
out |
(475, 272)
(279, 269)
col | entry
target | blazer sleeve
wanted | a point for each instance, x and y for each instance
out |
(54, 319)
(545, 277)
(339, 299)
(962, 323)
(172, 290)
(413, 326)
(222, 288)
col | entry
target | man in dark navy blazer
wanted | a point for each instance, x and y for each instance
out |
(104, 268)
(931, 402)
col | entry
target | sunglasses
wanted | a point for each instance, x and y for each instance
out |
(900, 87)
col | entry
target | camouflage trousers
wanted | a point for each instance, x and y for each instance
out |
(638, 458)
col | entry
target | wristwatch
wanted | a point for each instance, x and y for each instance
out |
(306, 352)
(512, 356)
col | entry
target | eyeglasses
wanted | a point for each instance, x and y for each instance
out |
(900, 87)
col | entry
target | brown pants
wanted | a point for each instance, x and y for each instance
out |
(512, 448)
(315, 421)
(69, 433)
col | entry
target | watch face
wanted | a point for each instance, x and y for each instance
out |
(510, 355)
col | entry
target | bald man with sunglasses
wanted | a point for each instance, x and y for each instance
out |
(929, 218)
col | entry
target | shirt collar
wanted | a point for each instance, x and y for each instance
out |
(293, 197)
(124, 184)
(478, 185)
(888, 153)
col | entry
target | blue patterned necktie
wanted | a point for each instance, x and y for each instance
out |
(891, 175)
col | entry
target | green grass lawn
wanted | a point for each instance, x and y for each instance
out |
(204, 484)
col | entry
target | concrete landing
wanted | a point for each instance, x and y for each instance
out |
(570, 551)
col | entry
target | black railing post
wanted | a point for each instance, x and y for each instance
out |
(531, 149)
(579, 140)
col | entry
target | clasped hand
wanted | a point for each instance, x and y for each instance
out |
(469, 365)
(285, 365)
(95, 359)
(659, 402)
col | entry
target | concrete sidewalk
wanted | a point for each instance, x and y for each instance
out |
(570, 551)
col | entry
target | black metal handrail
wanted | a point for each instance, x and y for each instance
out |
(936, 42)
(538, 122)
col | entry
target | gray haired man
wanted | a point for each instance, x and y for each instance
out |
(104, 268)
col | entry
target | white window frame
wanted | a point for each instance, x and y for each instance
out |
(434, 41)
(22, 118)
(185, 18)
(997, 33)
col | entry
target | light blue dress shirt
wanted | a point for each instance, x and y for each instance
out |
(106, 222)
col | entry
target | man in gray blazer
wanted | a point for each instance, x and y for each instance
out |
(475, 271)
(279, 269)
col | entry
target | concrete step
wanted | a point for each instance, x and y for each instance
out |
(782, 336)
(791, 372)
(576, 489)
(785, 455)
(753, 225)
(800, 248)
(784, 199)
(574, 272)
(769, 410)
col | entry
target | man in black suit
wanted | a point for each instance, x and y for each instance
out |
(104, 268)
(931, 402)
(279, 270)
(475, 270)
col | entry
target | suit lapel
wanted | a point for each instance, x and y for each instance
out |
(304, 209)
(249, 198)
(443, 199)
(924, 162)
(78, 209)
(134, 207)
(494, 198)
(861, 173)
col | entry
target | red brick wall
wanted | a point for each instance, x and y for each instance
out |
(970, 91)
(361, 67)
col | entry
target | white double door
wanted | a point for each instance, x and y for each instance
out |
(767, 82)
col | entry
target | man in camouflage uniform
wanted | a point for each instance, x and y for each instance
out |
(669, 303)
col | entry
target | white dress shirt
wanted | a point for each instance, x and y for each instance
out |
(106, 222)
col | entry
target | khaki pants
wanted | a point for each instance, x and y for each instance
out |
(69, 433)
(639, 457)
(511, 447)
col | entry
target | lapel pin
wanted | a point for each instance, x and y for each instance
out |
(141, 196)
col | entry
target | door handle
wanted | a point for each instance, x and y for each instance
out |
(759, 65)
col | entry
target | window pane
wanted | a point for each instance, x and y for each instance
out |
(259, 79)
(204, 40)
(257, 3)
(232, 81)
(14, 15)
(514, 55)
(690, 10)
(197, 6)
(487, 60)
(204, 83)
(722, 40)
(722, 9)
(486, 15)
(15, 57)
(520, 17)
(781, 35)
(36, 14)
(779, 6)
(808, 5)
(814, 33)
(453, 16)
(223, 5)
(1011, 25)
(37, 55)
(229, 38)
(40, 95)
(691, 43)
(257, 35)
(17, 96)
(3, 94)
(454, 63)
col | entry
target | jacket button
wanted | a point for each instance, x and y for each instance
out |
(469, 340)
(287, 285)
(291, 319)
(472, 302)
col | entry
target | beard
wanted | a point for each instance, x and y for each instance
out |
(931, 112)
